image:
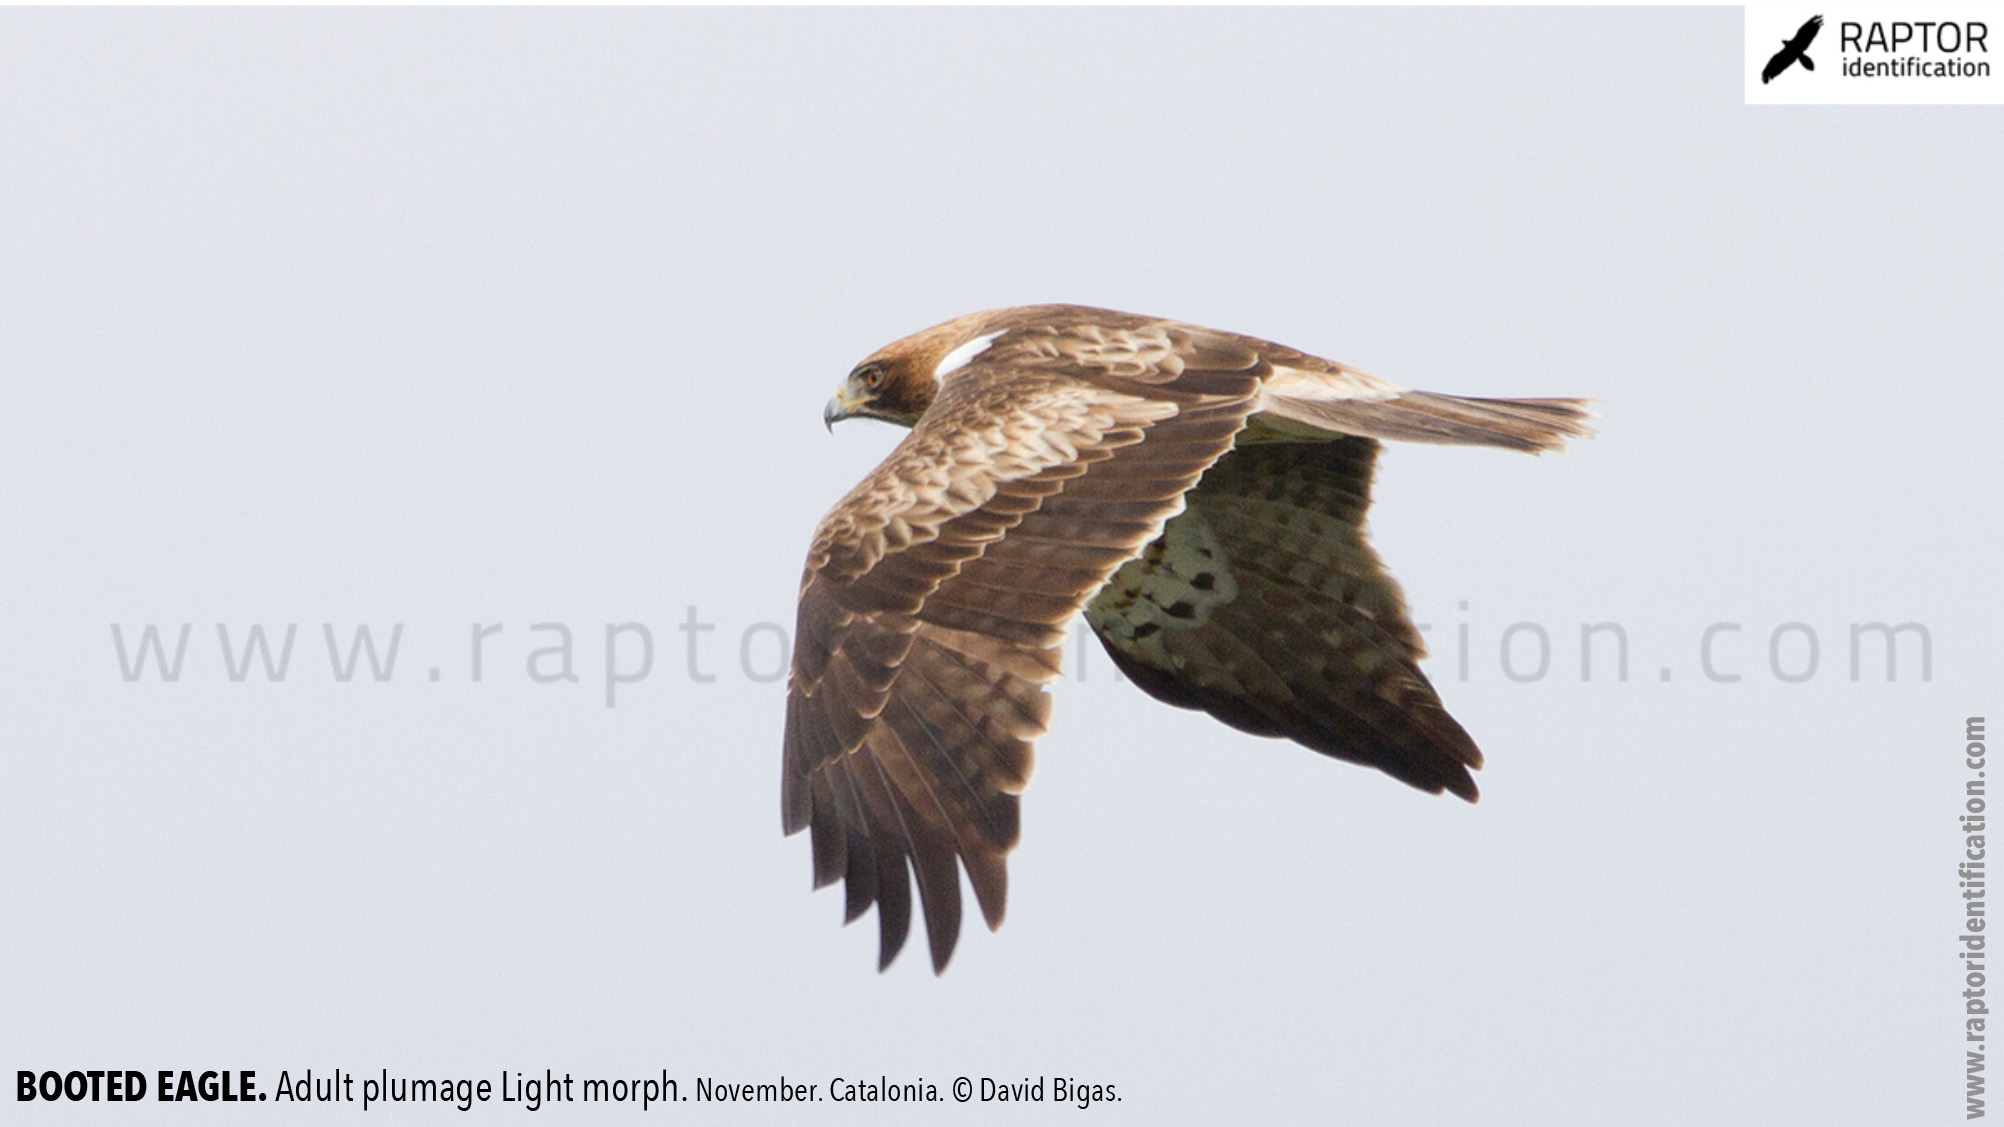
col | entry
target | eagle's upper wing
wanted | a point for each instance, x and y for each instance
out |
(937, 596)
(1264, 605)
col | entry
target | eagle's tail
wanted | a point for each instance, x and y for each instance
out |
(1534, 425)
(1807, 63)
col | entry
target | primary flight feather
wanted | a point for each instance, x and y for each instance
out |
(1200, 495)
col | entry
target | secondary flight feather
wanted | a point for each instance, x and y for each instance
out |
(1200, 495)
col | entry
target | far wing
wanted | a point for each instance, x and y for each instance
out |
(1263, 605)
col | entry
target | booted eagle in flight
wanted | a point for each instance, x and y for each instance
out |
(1199, 494)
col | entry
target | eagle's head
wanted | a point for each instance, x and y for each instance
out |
(887, 386)
(899, 381)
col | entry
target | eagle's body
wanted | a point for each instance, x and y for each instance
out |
(1199, 494)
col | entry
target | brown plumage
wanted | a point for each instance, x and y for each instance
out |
(1199, 494)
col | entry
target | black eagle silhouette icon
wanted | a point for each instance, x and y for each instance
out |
(1793, 51)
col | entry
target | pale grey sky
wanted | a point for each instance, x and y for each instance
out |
(450, 318)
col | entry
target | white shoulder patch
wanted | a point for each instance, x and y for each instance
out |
(959, 357)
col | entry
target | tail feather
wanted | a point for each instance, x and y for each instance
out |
(1533, 425)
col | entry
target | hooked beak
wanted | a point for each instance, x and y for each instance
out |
(841, 406)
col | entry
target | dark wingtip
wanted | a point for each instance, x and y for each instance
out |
(854, 902)
(888, 947)
(1460, 784)
(942, 948)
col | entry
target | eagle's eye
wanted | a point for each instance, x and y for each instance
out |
(872, 376)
